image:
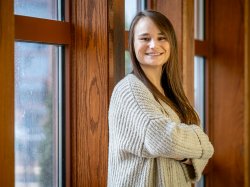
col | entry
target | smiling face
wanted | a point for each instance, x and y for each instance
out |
(152, 48)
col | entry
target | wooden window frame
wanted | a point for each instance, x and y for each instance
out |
(28, 29)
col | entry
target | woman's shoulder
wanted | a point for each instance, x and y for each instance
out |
(132, 90)
(130, 84)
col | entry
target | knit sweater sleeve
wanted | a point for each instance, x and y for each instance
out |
(193, 172)
(165, 138)
(142, 129)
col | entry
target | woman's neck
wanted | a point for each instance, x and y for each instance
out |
(154, 75)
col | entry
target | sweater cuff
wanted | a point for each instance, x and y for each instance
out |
(193, 172)
(207, 148)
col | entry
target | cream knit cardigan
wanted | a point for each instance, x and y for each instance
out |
(144, 139)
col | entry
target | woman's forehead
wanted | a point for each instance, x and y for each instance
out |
(146, 26)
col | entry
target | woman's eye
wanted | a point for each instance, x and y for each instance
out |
(145, 39)
(162, 38)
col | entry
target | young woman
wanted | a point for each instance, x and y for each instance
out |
(154, 134)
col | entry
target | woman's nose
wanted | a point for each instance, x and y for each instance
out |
(152, 44)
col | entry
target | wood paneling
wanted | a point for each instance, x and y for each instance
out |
(7, 93)
(97, 38)
(227, 88)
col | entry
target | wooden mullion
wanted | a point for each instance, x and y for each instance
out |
(201, 48)
(150, 4)
(41, 30)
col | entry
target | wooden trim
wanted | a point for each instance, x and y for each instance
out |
(188, 49)
(41, 30)
(67, 10)
(67, 117)
(150, 4)
(7, 162)
(126, 39)
(67, 100)
(201, 48)
(117, 42)
(247, 97)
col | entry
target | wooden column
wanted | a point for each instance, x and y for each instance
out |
(97, 47)
(7, 93)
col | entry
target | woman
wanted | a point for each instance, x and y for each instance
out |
(154, 133)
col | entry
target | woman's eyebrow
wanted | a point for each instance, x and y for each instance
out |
(161, 33)
(147, 34)
(143, 34)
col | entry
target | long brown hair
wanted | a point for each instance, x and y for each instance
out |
(170, 79)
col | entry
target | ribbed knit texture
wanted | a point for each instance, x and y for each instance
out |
(144, 139)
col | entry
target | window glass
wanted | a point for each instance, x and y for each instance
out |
(37, 114)
(199, 97)
(131, 8)
(48, 9)
(128, 64)
(199, 20)
(130, 11)
(199, 87)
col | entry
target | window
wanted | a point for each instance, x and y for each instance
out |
(131, 8)
(40, 48)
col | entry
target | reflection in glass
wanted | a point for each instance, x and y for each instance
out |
(37, 114)
(199, 20)
(39, 8)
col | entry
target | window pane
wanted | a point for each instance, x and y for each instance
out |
(130, 11)
(37, 114)
(131, 8)
(199, 97)
(48, 9)
(199, 20)
(199, 87)
(128, 65)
